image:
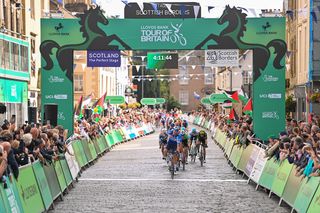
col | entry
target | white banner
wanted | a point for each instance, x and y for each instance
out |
(222, 58)
(72, 162)
(258, 166)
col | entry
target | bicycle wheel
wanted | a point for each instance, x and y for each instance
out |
(183, 162)
(172, 170)
(201, 156)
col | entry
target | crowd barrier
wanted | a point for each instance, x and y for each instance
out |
(302, 194)
(38, 185)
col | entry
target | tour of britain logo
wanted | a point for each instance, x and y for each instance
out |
(163, 33)
(58, 30)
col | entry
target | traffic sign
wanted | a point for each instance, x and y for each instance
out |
(115, 99)
(160, 100)
(148, 101)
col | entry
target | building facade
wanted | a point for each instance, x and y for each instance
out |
(191, 77)
(303, 69)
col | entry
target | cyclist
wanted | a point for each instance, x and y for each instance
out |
(185, 123)
(202, 138)
(184, 142)
(172, 148)
(163, 138)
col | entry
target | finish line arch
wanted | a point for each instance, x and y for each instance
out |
(93, 31)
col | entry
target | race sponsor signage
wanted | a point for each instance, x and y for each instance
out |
(163, 10)
(222, 58)
(103, 58)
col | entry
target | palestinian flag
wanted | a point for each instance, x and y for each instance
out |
(233, 115)
(100, 101)
(247, 109)
(77, 109)
(242, 95)
(233, 95)
(87, 100)
(227, 104)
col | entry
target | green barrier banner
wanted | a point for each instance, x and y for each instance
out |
(52, 181)
(252, 159)
(269, 173)
(229, 149)
(10, 200)
(77, 153)
(60, 175)
(247, 152)
(82, 152)
(2, 207)
(281, 178)
(108, 140)
(72, 162)
(119, 136)
(66, 171)
(29, 191)
(307, 190)
(101, 144)
(258, 166)
(86, 149)
(292, 188)
(43, 184)
(238, 157)
(92, 150)
(315, 203)
(96, 146)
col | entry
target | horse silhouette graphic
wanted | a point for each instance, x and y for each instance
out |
(231, 38)
(95, 39)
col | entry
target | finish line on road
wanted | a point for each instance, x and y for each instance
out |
(181, 180)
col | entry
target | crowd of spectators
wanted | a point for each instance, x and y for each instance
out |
(299, 142)
(27, 143)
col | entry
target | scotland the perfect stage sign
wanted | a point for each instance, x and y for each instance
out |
(103, 58)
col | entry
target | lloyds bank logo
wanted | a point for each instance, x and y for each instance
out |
(58, 30)
(163, 33)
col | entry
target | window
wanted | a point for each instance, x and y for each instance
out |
(78, 83)
(33, 45)
(208, 76)
(15, 57)
(247, 77)
(5, 58)
(183, 76)
(24, 58)
(184, 97)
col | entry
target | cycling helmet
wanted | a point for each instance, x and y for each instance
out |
(183, 129)
(170, 132)
(194, 130)
(172, 125)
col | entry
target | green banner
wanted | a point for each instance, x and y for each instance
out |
(66, 171)
(269, 173)
(60, 175)
(29, 191)
(115, 99)
(10, 197)
(245, 157)
(42, 184)
(314, 206)
(52, 181)
(12, 91)
(92, 150)
(160, 100)
(292, 187)
(148, 101)
(265, 36)
(307, 190)
(281, 178)
(78, 154)
(86, 149)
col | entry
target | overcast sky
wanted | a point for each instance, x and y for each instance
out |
(116, 7)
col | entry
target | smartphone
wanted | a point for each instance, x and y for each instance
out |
(13, 119)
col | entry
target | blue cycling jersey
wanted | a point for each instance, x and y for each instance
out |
(172, 145)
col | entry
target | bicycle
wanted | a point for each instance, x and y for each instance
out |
(171, 157)
(201, 155)
(184, 157)
(193, 151)
(178, 38)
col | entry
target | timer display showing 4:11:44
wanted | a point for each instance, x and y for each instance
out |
(162, 57)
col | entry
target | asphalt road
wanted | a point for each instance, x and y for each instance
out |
(134, 178)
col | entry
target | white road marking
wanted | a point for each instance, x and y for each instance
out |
(181, 180)
(136, 148)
